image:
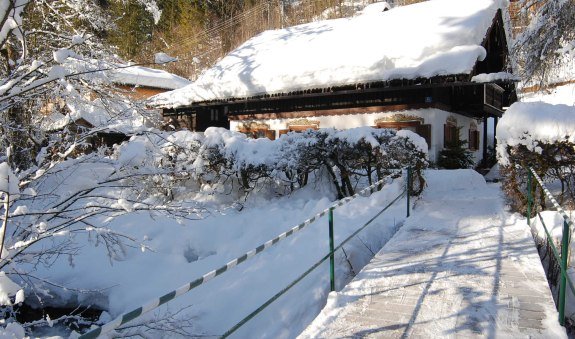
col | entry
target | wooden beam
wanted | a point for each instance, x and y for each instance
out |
(484, 138)
(332, 112)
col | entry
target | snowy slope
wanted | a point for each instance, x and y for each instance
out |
(176, 253)
(422, 40)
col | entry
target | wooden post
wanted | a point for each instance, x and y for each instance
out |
(484, 138)
(495, 121)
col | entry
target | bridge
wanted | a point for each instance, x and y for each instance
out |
(461, 266)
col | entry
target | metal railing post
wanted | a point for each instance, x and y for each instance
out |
(564, 259)
(331, 255)
(529, 194)
(408, 188)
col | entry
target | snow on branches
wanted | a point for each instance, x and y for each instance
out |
(548, 43)
(541, 136)
(221, 157)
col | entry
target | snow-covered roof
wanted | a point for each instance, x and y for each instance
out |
(116, 116)
(144, 76)
(432, 38)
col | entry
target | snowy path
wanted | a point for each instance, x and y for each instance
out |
(461, 266)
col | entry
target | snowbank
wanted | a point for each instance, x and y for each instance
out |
(446, 40)
(376, 8)
(527, 123)
(558, 95)
(176, 253)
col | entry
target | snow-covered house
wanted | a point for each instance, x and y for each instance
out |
(436, 67)
(143, 82)
(116, 121)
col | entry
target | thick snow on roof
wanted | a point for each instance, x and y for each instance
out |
(109, 116)
(491, 77)
(144, 76)
(439, 37)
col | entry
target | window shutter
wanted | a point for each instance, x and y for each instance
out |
(476, 145)
(425, 132)
(473, 140)
(271, 134)
(446, 135)
(282, 132)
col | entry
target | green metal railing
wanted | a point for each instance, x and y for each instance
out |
(330, 256)
(565, 239)
(153, 304)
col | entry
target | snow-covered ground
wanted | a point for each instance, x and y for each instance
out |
(177, 253)
(564, 94)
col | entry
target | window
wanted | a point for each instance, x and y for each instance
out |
(300, 125)
(450, 135)
(213, 115)
(257, 130)
(473, 140)
(423, 130)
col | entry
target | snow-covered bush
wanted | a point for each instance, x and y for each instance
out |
(231, 162)
(349, 156)
(541, 136)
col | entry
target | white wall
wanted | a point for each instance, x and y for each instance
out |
(435, 117)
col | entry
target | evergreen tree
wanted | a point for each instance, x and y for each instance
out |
(133, 27)
(456, 154)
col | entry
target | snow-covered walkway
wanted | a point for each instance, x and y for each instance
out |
(461, 266)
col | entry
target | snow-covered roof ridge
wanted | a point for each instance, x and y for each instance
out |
(432, 38)
(144, 76)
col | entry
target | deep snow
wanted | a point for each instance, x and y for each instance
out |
(339, 52)
(176, 253)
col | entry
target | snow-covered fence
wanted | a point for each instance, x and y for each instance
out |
(329, 255)
(129, 316)
(562, 259)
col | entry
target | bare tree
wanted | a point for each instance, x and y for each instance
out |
(549, 39)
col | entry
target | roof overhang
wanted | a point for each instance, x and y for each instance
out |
(477, 99)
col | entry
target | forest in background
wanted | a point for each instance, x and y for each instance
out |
(199, 33)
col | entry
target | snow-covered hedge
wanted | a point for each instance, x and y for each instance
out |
(542, 136)
(226, 158)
